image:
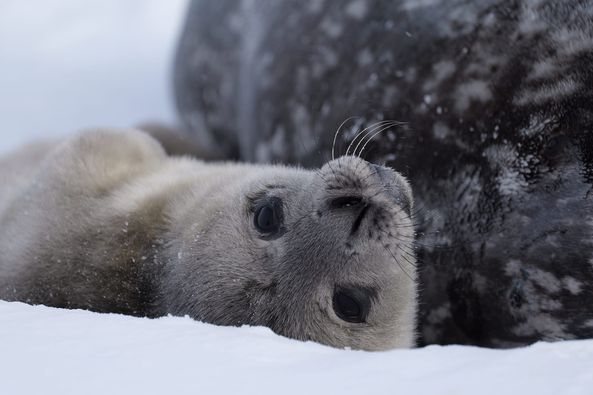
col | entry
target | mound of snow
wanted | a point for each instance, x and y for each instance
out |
(54, 351)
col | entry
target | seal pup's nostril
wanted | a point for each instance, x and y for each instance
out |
(355, 203)
(346, 201)
(359, 219)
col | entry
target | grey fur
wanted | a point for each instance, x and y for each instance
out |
(107, 221)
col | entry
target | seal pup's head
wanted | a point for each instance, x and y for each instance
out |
(321, 255)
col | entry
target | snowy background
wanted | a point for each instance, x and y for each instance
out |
(70, 64)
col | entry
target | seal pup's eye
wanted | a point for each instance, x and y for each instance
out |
(351, 304)
(268, 217)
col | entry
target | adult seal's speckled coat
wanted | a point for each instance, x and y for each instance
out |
(498, 143)
(107, 221)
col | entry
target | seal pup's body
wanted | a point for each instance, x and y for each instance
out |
(107, 221)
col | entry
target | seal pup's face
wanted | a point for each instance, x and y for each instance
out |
(321, 255)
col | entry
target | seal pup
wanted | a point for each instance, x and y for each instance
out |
(106, 221)
(498, 142)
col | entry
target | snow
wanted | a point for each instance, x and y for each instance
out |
(55, 351)
(67, 65)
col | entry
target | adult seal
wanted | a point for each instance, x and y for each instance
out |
(497, 143)
(106, 221)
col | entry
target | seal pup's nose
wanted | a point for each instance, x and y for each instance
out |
(393, 186)
(381, 171)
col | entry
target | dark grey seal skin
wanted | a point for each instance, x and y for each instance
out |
(498, 141)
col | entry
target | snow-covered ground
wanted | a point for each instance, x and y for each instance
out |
(70, 64)
(53, 351)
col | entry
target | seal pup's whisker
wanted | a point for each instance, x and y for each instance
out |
(338, 132)
(423, 244)
(365, 132)
(390, 235)
(406, 254)
(398, 263)
(373, 136)
(368, 129)
(410, 254)
(387, 125)
(333, 172)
